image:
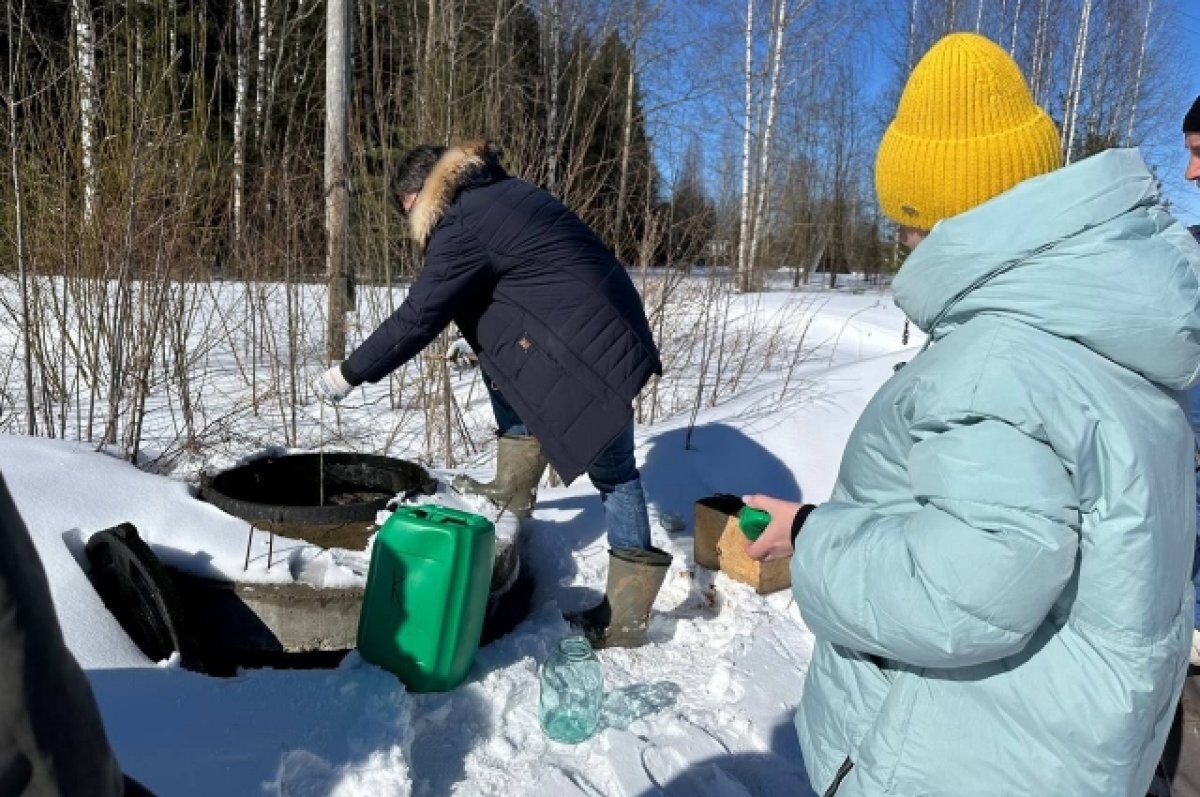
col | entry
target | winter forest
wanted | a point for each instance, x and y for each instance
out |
(171, 280)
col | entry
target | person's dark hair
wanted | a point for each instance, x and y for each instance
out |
(1191, 122)
(410, 172)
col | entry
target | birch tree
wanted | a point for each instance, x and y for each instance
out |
(15, 43)
(759, 125)
(758, 222)
(85, 75)
(745, 280)
(241, 91)
(552, 68)
(1016, 26)
(910, 41)
(260, 73)
(1039, 74)
(1139, 73)
(1078, 60)
(635, 27)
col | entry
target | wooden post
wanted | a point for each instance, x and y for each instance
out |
(337, 170)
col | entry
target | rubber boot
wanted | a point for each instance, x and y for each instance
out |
(621, 618)
(519, 468)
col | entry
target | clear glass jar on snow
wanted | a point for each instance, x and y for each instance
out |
(572, 691)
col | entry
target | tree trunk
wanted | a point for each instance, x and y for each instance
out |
(426, 83)
(494, 120)
(260, 75)
(19, 220)
(453, 64)
(745, 279)
(910, 51)
(337, 166)
(554, 47)
(627, 129)
(242, 83)
(1041, 68)
(1137, 78)
(1012, 43)
(85, 66)
(1078, 59)
(779, 24)
(626, 140)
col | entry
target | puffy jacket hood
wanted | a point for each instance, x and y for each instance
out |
(1085, 253)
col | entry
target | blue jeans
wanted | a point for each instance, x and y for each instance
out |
(614, 474)
(507, 420)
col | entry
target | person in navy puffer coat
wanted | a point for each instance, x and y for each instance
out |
(563, 343)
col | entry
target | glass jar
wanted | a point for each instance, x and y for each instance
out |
(572, 691)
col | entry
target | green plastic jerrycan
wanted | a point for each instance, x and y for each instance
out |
(426, 595)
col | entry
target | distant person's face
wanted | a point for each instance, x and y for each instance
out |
(1192, 142)
(911, 236)
(408, 201)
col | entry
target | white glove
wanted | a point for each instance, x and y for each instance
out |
(331, 386)
(460, 348)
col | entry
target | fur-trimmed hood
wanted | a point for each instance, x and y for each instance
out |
(462, 166)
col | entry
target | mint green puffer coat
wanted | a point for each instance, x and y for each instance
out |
(999, 585)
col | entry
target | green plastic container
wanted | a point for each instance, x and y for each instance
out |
(426, 595)
(753, 522)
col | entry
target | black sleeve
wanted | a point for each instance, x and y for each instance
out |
(454, 262)
(798, 521)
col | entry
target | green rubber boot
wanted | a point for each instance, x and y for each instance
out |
(519, 468)
(621, 619)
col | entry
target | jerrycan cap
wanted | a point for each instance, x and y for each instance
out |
(753, 522)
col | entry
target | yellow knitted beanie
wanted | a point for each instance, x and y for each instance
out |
(966, 130)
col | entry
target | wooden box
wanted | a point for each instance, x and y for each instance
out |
(720, 545)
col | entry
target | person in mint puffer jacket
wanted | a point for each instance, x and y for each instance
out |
(1191, 141)
(999, 586)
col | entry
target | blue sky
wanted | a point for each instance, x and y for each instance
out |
(1184, 197)
(1164, 150)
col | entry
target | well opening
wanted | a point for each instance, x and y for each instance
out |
(329, 501)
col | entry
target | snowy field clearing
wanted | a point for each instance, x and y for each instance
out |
(716, 687)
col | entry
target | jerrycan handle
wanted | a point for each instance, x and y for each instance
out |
(436, 514)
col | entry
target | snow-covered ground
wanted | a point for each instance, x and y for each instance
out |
(715, 689)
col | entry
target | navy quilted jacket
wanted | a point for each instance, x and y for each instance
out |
(554, 316)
